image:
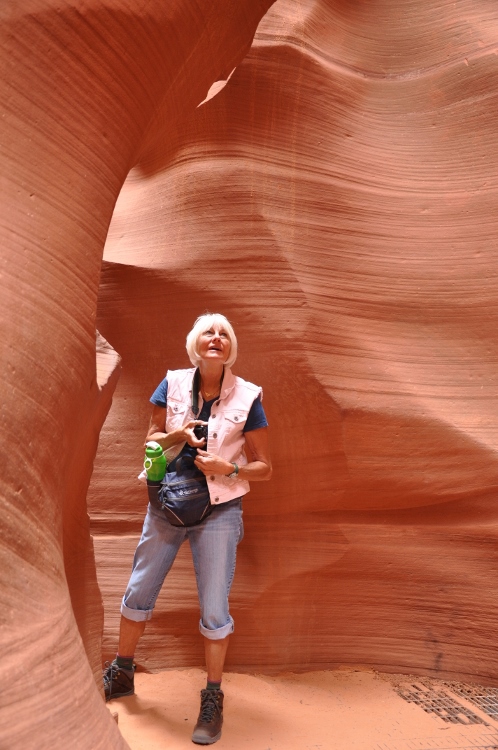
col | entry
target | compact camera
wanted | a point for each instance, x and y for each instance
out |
(201, 431)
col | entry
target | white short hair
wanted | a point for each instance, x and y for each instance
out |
(203, 324)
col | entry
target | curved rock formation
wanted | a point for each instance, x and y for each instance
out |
(82, 83)
(336, 200)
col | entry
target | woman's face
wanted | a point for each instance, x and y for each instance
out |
(214, 344)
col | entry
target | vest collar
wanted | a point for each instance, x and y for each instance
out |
(228, 383)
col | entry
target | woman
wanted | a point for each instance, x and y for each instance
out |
(235, 452)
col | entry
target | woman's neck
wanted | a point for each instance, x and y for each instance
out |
(211, 378)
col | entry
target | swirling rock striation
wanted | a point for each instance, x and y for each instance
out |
(82, 83)
(336, 200)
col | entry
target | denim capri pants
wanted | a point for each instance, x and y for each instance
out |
(214, 549)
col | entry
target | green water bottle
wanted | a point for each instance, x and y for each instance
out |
(155, 461)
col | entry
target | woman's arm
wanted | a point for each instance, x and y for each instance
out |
(168, 439)
(258, 469)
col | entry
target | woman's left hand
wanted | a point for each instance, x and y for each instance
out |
(211, 464)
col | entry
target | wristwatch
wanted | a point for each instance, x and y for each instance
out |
(235, 471)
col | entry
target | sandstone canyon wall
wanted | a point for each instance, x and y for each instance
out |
(336, 200)
(82, 82)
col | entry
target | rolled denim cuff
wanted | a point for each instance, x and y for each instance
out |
(137, 615)
(219, 633)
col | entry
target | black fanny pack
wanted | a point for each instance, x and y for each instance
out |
(183, 494)
(184, 498)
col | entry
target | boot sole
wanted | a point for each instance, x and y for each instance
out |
(206, 740)
(114, 696)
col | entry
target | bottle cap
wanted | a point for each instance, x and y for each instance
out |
(153, 449)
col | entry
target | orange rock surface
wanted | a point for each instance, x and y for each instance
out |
(82, 83)
(336, 199)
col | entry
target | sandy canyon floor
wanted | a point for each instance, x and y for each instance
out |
(340, 710)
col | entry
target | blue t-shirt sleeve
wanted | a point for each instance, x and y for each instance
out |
(160, 395)
(256, 417)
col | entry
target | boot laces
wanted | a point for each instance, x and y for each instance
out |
(209, 705)
(110, 672)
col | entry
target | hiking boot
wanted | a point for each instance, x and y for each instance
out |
(208, 727)
(118, 682)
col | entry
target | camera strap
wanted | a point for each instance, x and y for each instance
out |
(196, 385)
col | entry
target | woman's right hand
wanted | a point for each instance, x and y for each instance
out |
(190, 436)
(183, 434)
